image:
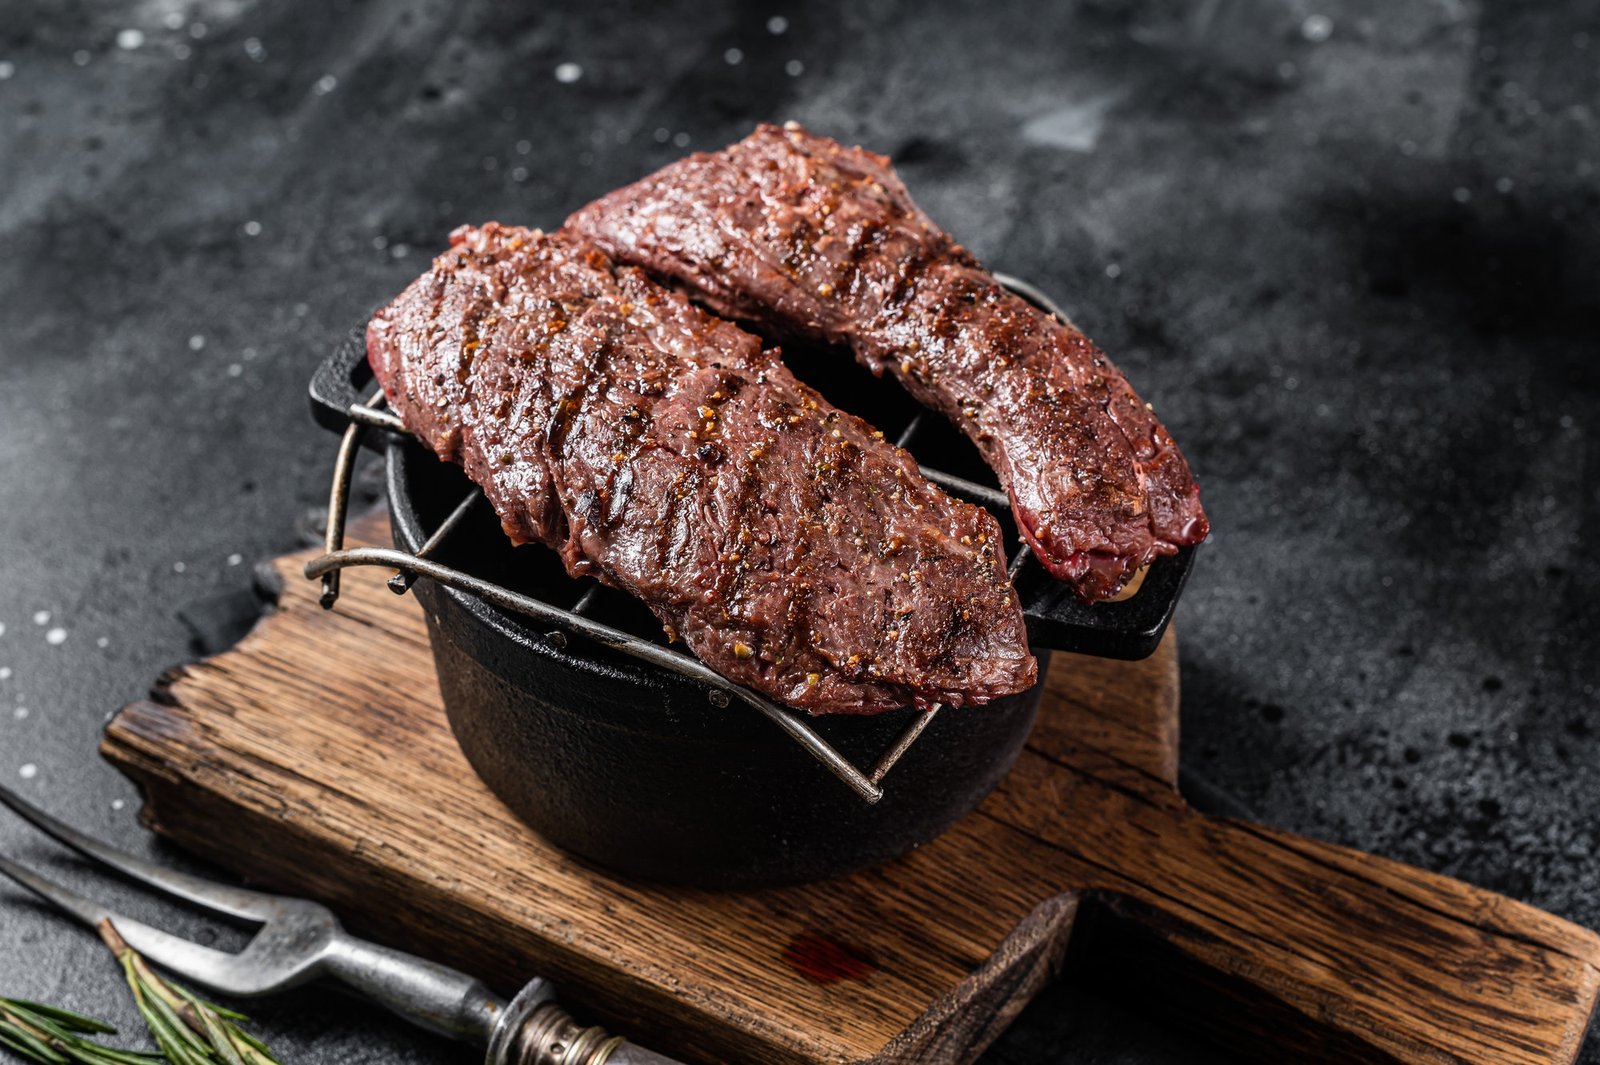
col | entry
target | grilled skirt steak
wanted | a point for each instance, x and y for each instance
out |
(809, 238)
(665, 452)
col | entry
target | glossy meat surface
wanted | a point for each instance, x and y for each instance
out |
(808, 238)
(666, 452)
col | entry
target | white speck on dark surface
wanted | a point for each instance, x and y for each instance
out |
(733, 56)
(794, 68)
(117, 804)
(777, 25)
(681, 140)
(179, 567)
(102, 643)
(1076, 126)
(5, 672)
(7, 69)
(56, 637)
(81, 57)
(235, 558)
(1316, 28)
(20, 713)
(130, 39)
(41, 617)
(255, 49)
(196, 342)
(569, 72)
(198, 29)
(252, 228)
(27, 771)
(325, 84)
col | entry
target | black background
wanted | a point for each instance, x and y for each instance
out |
(1348, 249)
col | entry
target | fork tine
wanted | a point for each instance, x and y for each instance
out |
(213, 968)
(236, 901)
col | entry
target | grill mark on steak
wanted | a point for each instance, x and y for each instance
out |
(811, 239)
(667, 453)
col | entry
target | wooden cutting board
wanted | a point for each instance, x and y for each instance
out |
(315, 758)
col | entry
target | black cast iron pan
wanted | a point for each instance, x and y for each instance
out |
(631, 765)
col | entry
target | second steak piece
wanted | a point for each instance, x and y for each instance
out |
(665, 452)
(810, 238)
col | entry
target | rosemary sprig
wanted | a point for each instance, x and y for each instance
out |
(54, 1036)
(188, 1029)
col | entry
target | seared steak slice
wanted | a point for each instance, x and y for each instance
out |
(809, 238)
(665, 452)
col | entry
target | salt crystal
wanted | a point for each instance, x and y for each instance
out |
(1316, 28)
(102, 642)
(117, 804)
(777, 25)
(235, 559)
(42, 617)
(197, 342)
(7, 69)
(794, 68)
(56, 637)
(733, 57)
(179, 567)
(28, 771)
(252, 228)
(130, 39)
(325, 84)
(567, 73)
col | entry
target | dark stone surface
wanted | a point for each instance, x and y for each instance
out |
(1348, 248)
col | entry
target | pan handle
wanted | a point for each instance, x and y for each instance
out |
(1128, 629)
(339, 383)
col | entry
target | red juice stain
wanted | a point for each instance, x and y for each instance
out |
(826, 961)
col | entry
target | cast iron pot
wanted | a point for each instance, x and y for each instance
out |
(633, 767)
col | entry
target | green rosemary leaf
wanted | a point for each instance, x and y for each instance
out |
(32, 1045)
(76, 1022)
(220, 1043)
(221, 1011)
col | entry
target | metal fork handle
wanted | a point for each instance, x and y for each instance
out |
(535, 1030)
(429, 995)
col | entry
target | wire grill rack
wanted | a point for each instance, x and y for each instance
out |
(576, 620)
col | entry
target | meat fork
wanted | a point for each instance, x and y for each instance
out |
(301, 940)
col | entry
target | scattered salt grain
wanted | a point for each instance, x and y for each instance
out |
(56, 637)
(173, 20)
(7, 68)
(20, 713)
(567, 73)
(235, 559)
(197, 342)
(253, 49)
(81, 57)
(681, 140)
(733, 57)
(325, 84)
(252, 228)
(234, 369)
(130, 39)
(42, 618)
(5, 672)
(28, 771)
(1316, 28)
(794, 68)
(179, 567)
(117, 804)
(777, 25)
(102, 642)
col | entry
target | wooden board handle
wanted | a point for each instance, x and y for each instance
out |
(1410, 965)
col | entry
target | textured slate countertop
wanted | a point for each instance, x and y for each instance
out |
(1349, 249)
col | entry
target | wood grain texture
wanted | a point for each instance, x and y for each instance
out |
(315, 758)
